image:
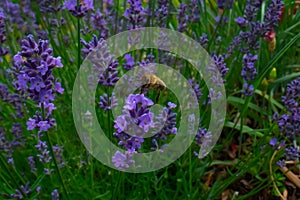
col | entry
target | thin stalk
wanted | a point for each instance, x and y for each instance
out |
(117, 186)
(272, 177)
(190, 171)
(79, 44)
(53, 155)
(117, 16)
(9, 173)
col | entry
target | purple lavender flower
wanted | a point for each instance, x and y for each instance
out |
(252, 7)
(200, 136)
(123, 161)
(292, 153)
(203, 40)
(3, 49)
(55, 195)
(248, 72)
(248, 89)
(273, 142)
(88, 47)
(38, 190)
(225, 4)
(292, 98)
(272, 14)
(58, 150)
(32, 70)
(110, 76)
(17, 132)
(162, 13)
(129, 62)
(107, 103)
(17, 195)
(25, 190)
(182, 18)
(136, 118)
(203, 139)
(220, 64)
(281, 163)
(48, 171)
(44, 153)
(194, 12)
(51, 6)
(242, 22)
(166, 122)
(235, 43)
(196, 88)
(2, 28)
(135, 14)
(25, 23)
(223, 18)
(32, 164)
(79, 10)
(289, 124)
(99, 23)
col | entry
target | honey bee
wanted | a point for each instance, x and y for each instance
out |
(152, 82)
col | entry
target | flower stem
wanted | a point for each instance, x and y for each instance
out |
(53, 156)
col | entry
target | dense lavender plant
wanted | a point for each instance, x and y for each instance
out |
(25, 23)
(248, 40)
(289, 123)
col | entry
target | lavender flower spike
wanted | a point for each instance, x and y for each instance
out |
(81, 9)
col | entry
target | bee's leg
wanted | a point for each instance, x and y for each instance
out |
(144, 89)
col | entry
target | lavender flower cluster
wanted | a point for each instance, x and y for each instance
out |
(32, 69)
(135, 14)
(3, 49)
(136, 112)
(81, 9)
(248, 39)
(289, 123)
(138, 119)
